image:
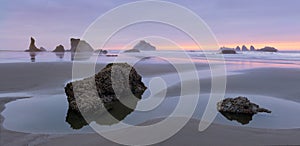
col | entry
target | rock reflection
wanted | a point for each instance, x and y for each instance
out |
(60, 55)
(32, 56)
(243, 119)
(79, 56)
(116, 112)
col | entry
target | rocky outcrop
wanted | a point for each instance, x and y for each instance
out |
(268, 49)
(32, 47)
(225, 50)
(144, 46)
(238, 48)
(59, 48)
(252, 48)
(244, 48)
(239, 105)
(100, 92)
(78, 45)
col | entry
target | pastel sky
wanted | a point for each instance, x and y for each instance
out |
(234, 22)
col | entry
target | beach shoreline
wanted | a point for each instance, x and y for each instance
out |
(59, 73)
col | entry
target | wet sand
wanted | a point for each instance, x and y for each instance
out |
(50, 78)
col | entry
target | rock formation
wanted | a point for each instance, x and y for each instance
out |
(93, 95)
(252, 48)
(32, 47)
(268, 49)
(237, 48)
(244, 48)
(78, 45)
(239, 105)
(225, 50)
(59, 48)
(144, 46)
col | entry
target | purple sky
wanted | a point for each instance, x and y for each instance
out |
(234, 22)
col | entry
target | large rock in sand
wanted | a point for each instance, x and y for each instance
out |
(93, 94)
(239, 105)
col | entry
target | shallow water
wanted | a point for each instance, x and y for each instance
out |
(48, 114)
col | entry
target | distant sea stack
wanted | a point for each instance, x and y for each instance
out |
(141, 46)
(244, 48)
(78, 45)
(144, 46)
(268, 49)
(59, 48)
(238, 48)
(252, 48)
(225, 50)
(32, 47)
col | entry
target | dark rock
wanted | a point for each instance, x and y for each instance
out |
(239, 105)
(78, 45)
(268, 49)
(101, 51)
(244, 48)
(144, 46)
(59, 48)
(252, 48)
(225, 50)
(97, 93)
(238, 48)
(32, 47)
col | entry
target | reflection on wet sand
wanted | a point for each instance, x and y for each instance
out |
(32, 56)
(77, 56)
(60, 55)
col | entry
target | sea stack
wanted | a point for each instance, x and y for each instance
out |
(144, 46)
(59, 48)
(238, 48)
(244, 48)
(78, 45)
(225, 50)
(32, 47)
(252, 48)
(268, 49)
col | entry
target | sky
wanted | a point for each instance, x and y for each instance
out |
(233, 22)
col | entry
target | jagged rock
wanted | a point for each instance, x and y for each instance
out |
(239, 105)
(252, 48)
(268, 49)
(132, 51)
(238, 48)
(101, 51)
(78, 45)
(244, 48)
(225, 50)
(144, 46)
(32, 47)
(59, 48)
(43, 49)
(97, 93)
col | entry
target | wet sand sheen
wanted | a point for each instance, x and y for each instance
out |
(253, 81)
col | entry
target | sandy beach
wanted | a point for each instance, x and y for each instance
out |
(50, 78)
